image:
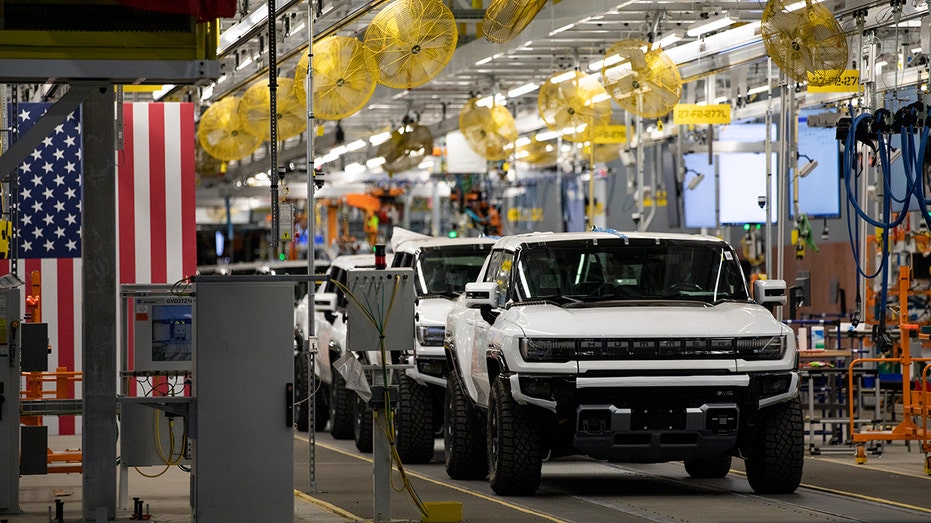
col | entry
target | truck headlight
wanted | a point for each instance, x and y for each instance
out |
(549, 350)
(761, 348)
(430, 336)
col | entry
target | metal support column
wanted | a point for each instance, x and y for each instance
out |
(100, 292)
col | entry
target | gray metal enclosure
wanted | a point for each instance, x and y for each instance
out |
(9, 402)
(243, 445)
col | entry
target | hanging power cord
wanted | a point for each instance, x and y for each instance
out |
(867, 128)
(388, 426)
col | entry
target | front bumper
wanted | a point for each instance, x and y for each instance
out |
(428, 370)
(653, 418)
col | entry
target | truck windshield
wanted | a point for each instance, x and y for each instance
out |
(640, 269)
(445, 271)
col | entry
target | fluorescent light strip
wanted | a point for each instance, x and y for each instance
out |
(356, 145)
(380, 138)
(561, 29)
(600, 64)
(562, 77)
(522, 90)
(713, 24)
(233, 34)
(246, 61)
(670, 39)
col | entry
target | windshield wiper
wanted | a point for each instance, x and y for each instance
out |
(443, 294)
(559, 301)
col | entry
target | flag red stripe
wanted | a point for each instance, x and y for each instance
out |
(188, 179)
(157, 200)
(125, 191)
(67, 308)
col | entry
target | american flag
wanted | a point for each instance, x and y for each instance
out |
(155, 218)
(156, 196)
(49, 191)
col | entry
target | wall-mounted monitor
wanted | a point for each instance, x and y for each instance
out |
(819, 190)
(699, 196)
(163, 333)
(744, 132)
(742, 180)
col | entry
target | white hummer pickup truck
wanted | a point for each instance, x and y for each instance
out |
(631, 347)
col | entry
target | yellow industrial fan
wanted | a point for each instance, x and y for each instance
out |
(603, 153)
(410, 42)
(505, 19)
(489, 130)
(807, 44)
(641, 79)
(574, 103)
(207, 166)
(541, 153)
(255, 110)
(406, 147)
(221, 133)
(342, 82)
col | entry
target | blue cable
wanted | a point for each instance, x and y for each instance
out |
(913, 162)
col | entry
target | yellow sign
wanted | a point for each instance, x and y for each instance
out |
(6, 232)
(846, 82)
(684, 114)
(525, 214)
(611, 134)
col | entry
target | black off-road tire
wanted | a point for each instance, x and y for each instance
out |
(464, 448)
(342, 407)
(774, 465)
(363, 425)
(413, 421)
(322, 407)
(514, 456)
(716, 467)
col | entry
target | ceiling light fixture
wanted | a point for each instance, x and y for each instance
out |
(713, 23)
(798, 5)
(562, 77)
(561, 29)
(244, 62)
(670, 38)
(355, 146)
(528, 87)
(380, 138)
(500, 99)
(597, 65)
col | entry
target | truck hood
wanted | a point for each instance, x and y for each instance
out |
(672, 320)
(432, 311)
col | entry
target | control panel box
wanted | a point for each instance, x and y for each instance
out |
(381, 305)
(163, 336)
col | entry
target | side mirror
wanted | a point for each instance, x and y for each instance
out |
(769, 292)
(481, 293)
(325, 301)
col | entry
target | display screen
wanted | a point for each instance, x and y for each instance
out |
(742, 182)
(172, 335)
(819, 191)
(699, 205)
